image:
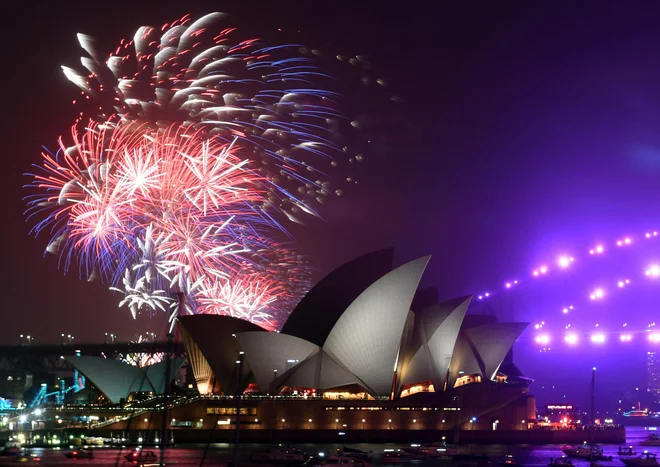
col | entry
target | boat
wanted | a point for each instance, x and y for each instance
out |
(509, 461)
(80, 454)
(94, 441)
(563, 460)
(140, 455)
(279, 454)
(639, 413)
(394, 456)
(587, 451)
(11, 451)
(626, 451)
(652, 440)
(355, 453)
(435, 450)
(647, 459)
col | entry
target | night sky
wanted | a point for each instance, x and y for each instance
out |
(528, 129)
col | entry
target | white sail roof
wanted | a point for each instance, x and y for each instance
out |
(432, 345)
(116, 379)
(271, 354)
(366, 337)
(463, 361)
(492, 342)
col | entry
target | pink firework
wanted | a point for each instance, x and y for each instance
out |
(281, 100)
(159, 211)
(244, 297)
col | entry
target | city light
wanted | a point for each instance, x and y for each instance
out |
(571, 338)
(543, 339)
(597, 294)
(653, 271)
(565, 261)
(598, 338)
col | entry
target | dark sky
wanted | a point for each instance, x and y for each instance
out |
(535, 128)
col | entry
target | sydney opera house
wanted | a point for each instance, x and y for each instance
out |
(363, 350)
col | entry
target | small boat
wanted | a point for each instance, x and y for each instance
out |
(647, 459)
(279, 454)
(435, 450)
(586, 451)
(80, 454)
(652, 440)
(356, 453)
(94, 441)
(12, 448)
(509, 461)
(626, 451)
(395, 456)
(563, 460)
(141, 456)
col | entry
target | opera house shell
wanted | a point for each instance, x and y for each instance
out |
(360, 351)
(356, 336)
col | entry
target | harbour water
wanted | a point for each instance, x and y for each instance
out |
(220, 454)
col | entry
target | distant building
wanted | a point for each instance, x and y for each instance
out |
(653, 375)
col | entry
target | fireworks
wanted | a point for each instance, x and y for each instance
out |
(161, 212)
(198, 144)
(278, 101)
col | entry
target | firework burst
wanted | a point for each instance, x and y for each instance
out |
(206, 141)
(155, 213)
(277, 100)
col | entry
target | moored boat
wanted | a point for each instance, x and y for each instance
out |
(563, 461)
(626, 451)
(652, 440)
(647, 459)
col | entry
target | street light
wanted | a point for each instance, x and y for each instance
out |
(310, 423)
(389, 421)
(363, 420)
(283, 423)
(415, 423)
(336, 422)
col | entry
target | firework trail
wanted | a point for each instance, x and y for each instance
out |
(277, 100)
(157, 212)
(200, 144)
